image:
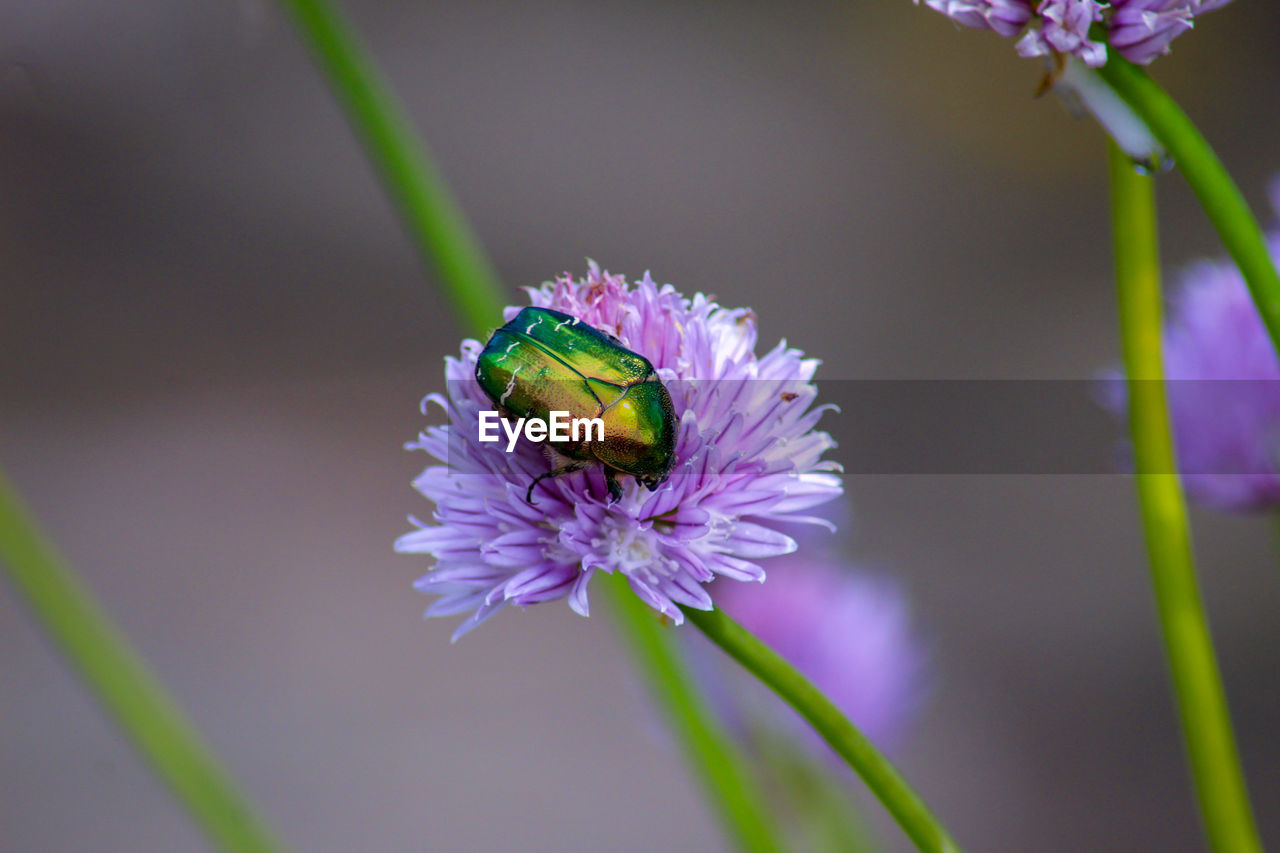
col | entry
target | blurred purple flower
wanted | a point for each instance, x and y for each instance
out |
(1139, 29)
(850, 632)
(1224, 387)
(747, 458)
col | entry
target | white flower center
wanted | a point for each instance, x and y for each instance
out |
(629, 546)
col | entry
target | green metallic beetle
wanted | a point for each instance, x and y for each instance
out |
(545, 361)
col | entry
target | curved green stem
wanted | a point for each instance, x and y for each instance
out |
(434, 220)
(850, 744)
(67, 611)
(1206, 724)
(724, 774)
(1218, 194)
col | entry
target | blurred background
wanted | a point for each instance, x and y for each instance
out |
(214, 336)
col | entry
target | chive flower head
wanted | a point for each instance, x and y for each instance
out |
(747, 459)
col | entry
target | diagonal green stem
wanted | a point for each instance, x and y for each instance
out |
(66, 610)
(1206, 724)
(444, 237)
(434, 220)
(1218, 194)
(724, 774)
(850, 744)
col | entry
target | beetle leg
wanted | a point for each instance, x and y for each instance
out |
(611, 480)
(554, 472)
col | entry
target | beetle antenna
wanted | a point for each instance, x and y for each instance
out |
(528, 496)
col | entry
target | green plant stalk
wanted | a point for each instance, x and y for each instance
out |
(876, 771)
(817, 801)
(1202, 705)
(1208, 179)
(724, 775)
(434, 220)
(68, 613)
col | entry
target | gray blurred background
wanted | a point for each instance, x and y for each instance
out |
(215, 336)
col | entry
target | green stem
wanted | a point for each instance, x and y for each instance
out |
(724, 774)
(817, 800)
(1206, 724)
(434, 220)
(850, 744)
(1204, 172)
(67, 611)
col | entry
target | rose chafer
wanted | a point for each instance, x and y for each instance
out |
(545, 361)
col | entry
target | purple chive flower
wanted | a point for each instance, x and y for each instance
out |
(747, 458)
(1223, 386)
(1225, 397)
(850, 632)
(1139, 29)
